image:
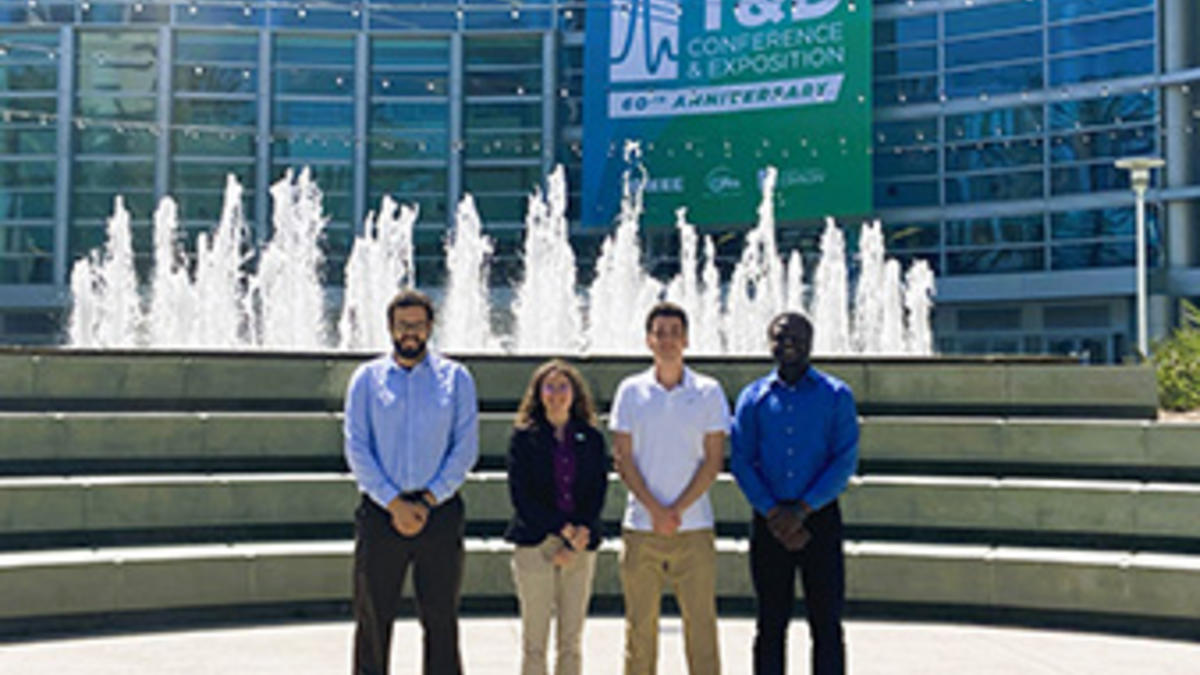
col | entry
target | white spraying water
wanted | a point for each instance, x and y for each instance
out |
(831, 324)
(918, 304)
(690, 289)
(466, 312)
(106, 310)
(281, 305)
(756, 291)
(869, 298)
(621, 290)
(287, 288)
(795, 290)
(546, 310)
(172, 315)
(223, 317)
(380, 263)
(891, 323)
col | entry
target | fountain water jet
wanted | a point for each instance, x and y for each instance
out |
(546, 311)
(282, 303)
(380, 263)
(466, 325)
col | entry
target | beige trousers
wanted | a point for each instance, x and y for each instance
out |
(688, 561)
(545, 590)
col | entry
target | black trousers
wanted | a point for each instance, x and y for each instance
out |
(381, 560)
(822, 573)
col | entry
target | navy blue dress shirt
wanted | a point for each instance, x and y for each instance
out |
(794, 442)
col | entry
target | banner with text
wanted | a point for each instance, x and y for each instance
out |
(715, 91)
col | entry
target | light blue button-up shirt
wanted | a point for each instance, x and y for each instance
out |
(794, 442)
(410, 430)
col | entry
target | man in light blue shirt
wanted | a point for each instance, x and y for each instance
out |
(412, 433)
(794, 448)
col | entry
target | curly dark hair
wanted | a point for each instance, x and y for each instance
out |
(532, 413)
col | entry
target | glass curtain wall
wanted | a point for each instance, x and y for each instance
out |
(1038, 126)
(116, 134)
(28, 151)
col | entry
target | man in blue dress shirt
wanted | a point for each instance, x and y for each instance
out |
(412, 434)
(794, 448)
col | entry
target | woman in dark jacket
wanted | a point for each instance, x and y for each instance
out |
(557, 477)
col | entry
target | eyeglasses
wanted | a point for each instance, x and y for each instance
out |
(410, 326)
(667, 334)
(553, 388)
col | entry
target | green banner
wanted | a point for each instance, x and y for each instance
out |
(715, 91)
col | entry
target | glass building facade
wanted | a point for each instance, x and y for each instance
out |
(996, 126)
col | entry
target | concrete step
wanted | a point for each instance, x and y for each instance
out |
(161, 380)
(228, 507)
(1128, 586)
(58, 442)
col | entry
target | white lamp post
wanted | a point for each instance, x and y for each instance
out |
(1139, 177)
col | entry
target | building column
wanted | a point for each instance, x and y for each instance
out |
(454, 171)
(66, 131)
(1178, 221)
(362, 105)
(549, 99)
(262, 136)
(162, 151)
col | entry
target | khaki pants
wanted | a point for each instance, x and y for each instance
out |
(688, 561)
(545, 590)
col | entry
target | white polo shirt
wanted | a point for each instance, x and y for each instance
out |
(668, 429)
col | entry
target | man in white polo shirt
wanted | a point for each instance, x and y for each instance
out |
(669, 425)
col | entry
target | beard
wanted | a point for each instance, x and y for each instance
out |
(409, 348)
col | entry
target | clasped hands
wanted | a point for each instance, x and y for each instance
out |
(786, 523)
(575, 538)
(409, 516)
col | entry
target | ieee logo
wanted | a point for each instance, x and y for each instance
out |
(644, 40)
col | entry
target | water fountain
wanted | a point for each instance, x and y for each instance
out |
(217, 302)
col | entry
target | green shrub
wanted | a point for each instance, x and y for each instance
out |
(1177, 362)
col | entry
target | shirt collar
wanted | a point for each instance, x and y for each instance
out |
(774, 380)
(688, 381)
(423, 364)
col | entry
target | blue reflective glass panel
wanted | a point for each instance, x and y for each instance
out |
(911, 236)
(311, 49)
(916, 132)
(1104, 111)
(1103, 66)
(905, 31)
(996, 261)
(1101, 33)
(908, 90)
(909, 193)
(414, 51)
(1066, 9)
(1022, 185)
(305, 16)
(998, 123)
(313, 114)
(993, 17)
(1082, 256)
(441, 20)
(220, 14)
(989, 50)
(994, 155)
(905, 61)
(509, 19)
(906, 163)
(1101, 144)
(1115, 222)
(998, 230)
(210, 46)
(1090, 178)
(1000, 80)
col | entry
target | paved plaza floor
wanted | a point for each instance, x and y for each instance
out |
(491, 646)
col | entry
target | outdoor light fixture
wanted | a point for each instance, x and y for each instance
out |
(1139, 178)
